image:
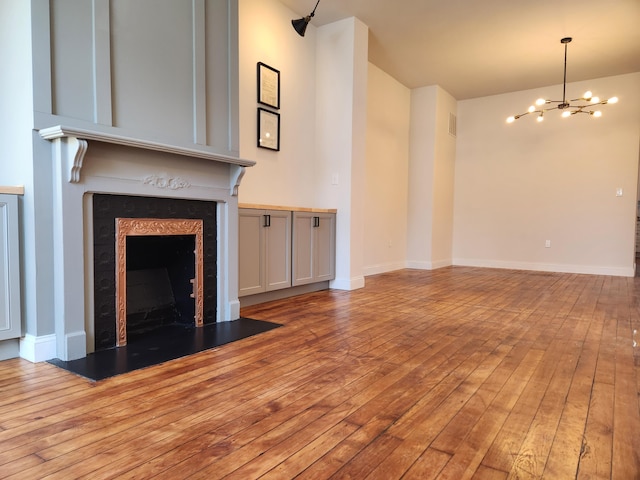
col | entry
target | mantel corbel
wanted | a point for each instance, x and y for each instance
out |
(236, 176)
(69, 151)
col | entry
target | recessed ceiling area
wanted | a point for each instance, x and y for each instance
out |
(473, 49)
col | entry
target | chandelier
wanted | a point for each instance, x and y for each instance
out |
(567, 107)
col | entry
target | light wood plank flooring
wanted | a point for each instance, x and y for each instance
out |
(451, 374)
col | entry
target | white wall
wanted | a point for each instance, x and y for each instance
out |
(266, 35)
(387, 166)
(321, 160)
(431, 173)
(517, 185)
(341, 106)
(420, 183)
(443, 188)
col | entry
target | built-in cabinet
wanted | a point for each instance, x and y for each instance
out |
(264, 238)
(10, 323)
(314, 247)
(281, 248)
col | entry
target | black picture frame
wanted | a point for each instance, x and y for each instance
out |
(268, 129)
(268, 86)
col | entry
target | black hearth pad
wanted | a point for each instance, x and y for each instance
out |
(167, 343)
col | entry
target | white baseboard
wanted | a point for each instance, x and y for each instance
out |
(38, 349)
(383, 268)
(347, 283)
(547, 267)
(234, 310)
(424, 265)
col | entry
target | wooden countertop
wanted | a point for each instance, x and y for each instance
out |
(17, 190)
(293, 209)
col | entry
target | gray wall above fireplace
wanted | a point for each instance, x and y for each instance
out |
(160, 70)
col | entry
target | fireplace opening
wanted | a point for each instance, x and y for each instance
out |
(160, 275)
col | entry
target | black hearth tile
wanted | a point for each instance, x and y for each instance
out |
(164, 344)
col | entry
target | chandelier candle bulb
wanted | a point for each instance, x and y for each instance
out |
(567, 107)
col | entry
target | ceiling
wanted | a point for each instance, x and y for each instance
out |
(474, 48)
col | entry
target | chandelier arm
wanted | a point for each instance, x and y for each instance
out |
(564, 83)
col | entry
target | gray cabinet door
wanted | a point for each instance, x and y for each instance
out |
(303, 259)
(314, 247)
(278, 249)
(251, 264)
(325, 247)
(10, 319)
(264, 250)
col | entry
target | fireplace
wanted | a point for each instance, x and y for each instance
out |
(160, 194)
(154, 265)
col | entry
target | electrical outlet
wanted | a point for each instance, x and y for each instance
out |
(547, 244)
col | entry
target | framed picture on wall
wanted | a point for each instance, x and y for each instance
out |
(268, 129)
(268, 86)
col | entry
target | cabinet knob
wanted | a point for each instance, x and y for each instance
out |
(267, 220)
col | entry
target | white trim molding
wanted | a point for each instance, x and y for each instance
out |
(548, 267)
(38, 349)
(424, 265)
(347, 283)
(383, 268)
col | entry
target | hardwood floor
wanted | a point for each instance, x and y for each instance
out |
(450, 374)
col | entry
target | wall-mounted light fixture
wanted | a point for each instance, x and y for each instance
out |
(300, 25)
(566, 107)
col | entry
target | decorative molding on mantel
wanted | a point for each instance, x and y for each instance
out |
(162, 180)
(59, 131)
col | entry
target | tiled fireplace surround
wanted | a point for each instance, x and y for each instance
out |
(88, 162)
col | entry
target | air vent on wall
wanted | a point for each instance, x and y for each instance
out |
(452, 124)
